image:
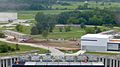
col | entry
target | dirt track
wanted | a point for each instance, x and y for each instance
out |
(66, 44)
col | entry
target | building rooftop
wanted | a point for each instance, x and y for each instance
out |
(64, 63)
(96, 36)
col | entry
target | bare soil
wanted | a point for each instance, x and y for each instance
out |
(65, 44)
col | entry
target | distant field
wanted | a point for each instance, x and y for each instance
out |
(92, 4)
(73, 6)
(31, 14)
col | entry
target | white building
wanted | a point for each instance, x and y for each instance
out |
(99, 43)
(6, 16)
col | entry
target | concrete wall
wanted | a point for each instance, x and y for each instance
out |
(94, 48)
(108, 62)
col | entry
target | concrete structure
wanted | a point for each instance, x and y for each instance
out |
(94, 42)
(5, 16)
(100, 43)
(16, 35)
(109, 61)
(7, 61)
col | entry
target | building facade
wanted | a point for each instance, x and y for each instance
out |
(99, 43)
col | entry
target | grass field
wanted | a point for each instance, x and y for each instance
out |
(102, 53)
(23, 49)
(31, 14)
(74, 33)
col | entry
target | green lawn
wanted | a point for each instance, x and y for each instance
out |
(102, 53)
(23, 49)
(75, 32)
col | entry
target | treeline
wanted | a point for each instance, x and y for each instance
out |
(46, 23)
(93, 0)
(26, 4)
(93, 17)
(35, 4)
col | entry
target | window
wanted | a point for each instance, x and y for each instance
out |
(87, 40)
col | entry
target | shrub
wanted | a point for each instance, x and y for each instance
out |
(89, 30)
(4, 48)
(12, 49)
(67, 28)
(2, 35)
(60, 29)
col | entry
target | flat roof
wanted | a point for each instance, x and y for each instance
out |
(64, 63)
(96, 36)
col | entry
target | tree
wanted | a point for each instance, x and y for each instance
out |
(83, 7)
(82, 25)
(86, 5)
(34, 31)
(73, 20)
(45, 33)
(98, 30)
(40, 17)
(82, 20)
(64, 16)
(17, 47)
(95, 20)
(20, 28)
(37, 7)
(45, 23)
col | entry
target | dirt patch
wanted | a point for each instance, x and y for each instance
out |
(66, 44)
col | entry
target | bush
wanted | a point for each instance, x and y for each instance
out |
(17, 47)
(60, 29)
(98, 30)
(4, 48)
(67, 28)
(2, 35)
(82, 25)
(12, 49)
(89, 30)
